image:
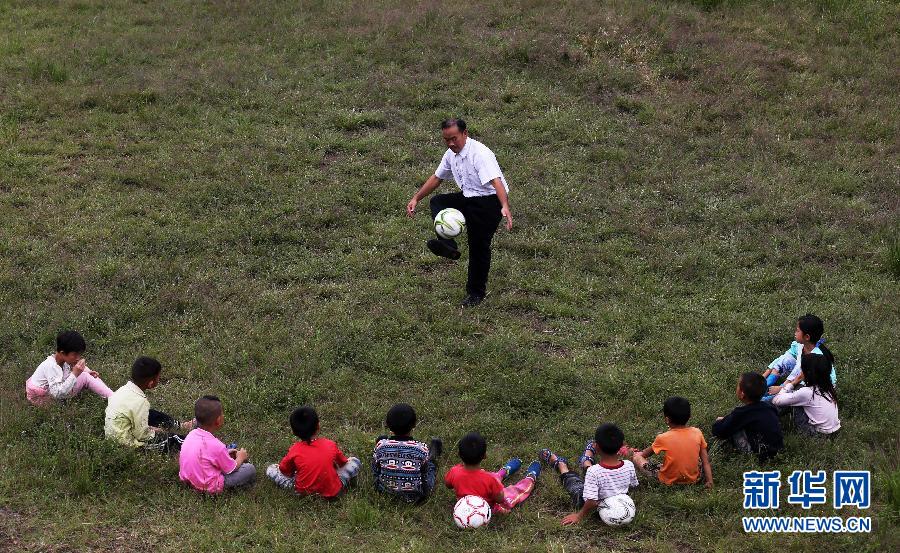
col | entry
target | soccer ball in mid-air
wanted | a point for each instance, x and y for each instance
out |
(449, 223)
(471, 511)
(616, 510)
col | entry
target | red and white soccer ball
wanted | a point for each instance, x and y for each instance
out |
(471, 511)
(617, 510)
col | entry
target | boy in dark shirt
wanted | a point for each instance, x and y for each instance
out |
(753, 427)
(402, 466)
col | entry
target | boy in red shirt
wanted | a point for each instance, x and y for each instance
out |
(684, 448)
(468, 478)
(313, 465)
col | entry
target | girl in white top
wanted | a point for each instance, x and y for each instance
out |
(64, 374)
(815, 405)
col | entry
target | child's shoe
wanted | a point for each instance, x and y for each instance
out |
(512, 466)
(551, 458)
(534, 470)
(436, 447)
(585, 458)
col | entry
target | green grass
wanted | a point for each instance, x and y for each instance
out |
(222, 185)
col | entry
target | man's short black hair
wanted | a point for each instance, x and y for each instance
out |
(457, 122)
(401, 419)
(753, 385)
(677, 409)
(207, 409)
(145, 369)
(69, 341)
(472, 448)
(305, 423)
(609, 438)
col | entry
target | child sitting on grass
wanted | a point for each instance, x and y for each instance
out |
(64, 374)
(815, 409)
(754, 427)
(807, 339)
(468, 478)
(401, 466)
(684, 448)
(313, 465)
(205, 463)
(606, 478)
(129, 418)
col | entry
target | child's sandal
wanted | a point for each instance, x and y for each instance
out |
(545, 455)
(585, 458)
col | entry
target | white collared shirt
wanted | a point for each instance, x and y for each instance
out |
(57, 380)
(473, 169)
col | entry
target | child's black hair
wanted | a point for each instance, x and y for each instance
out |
(815, 328)
(609, 438)
(753, 385)
(69, 341)
(678, 410)
(401, 419)
(472, 448)
(817, 374)
(305, 423)
(207, 409)
(144, 370)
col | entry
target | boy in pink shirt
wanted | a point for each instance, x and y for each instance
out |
(205, 463)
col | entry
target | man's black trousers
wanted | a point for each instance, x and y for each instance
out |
(482, 215)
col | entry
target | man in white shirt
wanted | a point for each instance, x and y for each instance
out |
(483, 200)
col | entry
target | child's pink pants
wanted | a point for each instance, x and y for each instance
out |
(514, 493)
(40, 396)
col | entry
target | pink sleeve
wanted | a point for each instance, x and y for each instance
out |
(223, 460)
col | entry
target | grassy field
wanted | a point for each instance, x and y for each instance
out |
(222, 185)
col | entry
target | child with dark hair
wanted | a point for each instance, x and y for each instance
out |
(684, 448)
(401, 466)
(129, 418)
(608, 477)
(468, 478)
(205, 462)
(789, 366)
(753, 427)
(313, 465)
(815, 409)
(64, 374)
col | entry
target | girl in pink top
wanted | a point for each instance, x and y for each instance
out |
(815, 408)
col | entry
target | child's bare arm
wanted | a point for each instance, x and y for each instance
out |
(574, 518)
(646, 452)
(707, 467)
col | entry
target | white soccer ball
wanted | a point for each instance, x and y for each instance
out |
(449, 223)
(471, 511)
(617, 510)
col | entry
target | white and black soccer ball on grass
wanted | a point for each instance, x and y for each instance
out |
(617, 510)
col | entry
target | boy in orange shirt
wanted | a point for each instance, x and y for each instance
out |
(684, 448)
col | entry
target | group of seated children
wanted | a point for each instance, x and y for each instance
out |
(406, 468)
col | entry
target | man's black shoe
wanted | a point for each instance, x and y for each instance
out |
(472, 300)
(440, 248)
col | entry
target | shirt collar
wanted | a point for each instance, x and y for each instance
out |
(136, 389)
(465, 151)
